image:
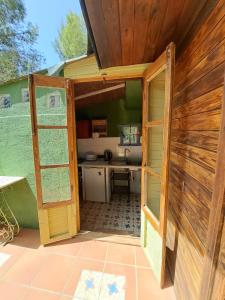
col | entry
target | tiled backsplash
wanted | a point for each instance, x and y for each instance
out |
(98, 146)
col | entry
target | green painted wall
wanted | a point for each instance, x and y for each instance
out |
(16, 158)
(123, 111)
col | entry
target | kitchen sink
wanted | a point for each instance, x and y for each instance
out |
(118, 162)
(122, 162)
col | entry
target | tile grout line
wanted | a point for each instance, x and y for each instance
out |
(71, 276)
(38, 272)
(98, 260)
(35, 288)
(103, 271)
(13, 265)
(45, 254)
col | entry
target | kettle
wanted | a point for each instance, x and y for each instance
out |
(107, 155)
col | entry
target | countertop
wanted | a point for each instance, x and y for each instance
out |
(106, 164)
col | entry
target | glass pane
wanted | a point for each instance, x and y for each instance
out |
(155, 147)
(156, 97)
(53, 146)
(51, 106)
(55, 185)
(153, 194)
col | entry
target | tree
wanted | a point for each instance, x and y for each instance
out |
(17, 39)
(72, 38)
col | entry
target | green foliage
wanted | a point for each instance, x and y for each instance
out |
(17, 38)
(72, 38)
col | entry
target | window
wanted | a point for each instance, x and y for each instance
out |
(5, 101)
(54, 100)
(130, 134)
(25, 95)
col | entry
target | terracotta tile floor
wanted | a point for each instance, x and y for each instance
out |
(84, 268)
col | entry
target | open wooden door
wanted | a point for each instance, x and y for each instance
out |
(54, 149)
(157, 101)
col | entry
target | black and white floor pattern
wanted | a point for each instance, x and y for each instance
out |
(121, 213)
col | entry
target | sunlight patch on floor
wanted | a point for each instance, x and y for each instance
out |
(3, 258)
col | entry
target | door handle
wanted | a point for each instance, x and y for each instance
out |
(99, 173)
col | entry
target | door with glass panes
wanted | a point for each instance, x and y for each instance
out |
(157, 100)
(54, 150)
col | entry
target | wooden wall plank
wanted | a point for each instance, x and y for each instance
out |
(219, 286)
(184, 227)
(157, 18)
(195, 135)
(204, 158)
(206, 65)
(216, 218)
(203, 176)
(203, 121)
(204, 85)
(126, 17)
(202, 139)
(190, 52)
(96, 19)
(206, 102)
(197, 190)
(110, 9)
(141, 22)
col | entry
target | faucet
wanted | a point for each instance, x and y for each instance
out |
(125, 153)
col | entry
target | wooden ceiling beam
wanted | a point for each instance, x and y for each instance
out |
(116, 87)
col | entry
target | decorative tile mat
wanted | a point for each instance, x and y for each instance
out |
(94, 285)
(121, 213)
(3, 258)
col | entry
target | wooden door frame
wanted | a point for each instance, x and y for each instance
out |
(41, 80)
(166, 62)
(161, 64)
(57, 82)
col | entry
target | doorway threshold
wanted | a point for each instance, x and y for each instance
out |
(110, 236)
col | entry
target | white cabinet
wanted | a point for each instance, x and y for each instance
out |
(94, 184)
(135, 183)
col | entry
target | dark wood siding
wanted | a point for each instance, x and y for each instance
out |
(219, 285)
(199, 79)
(129, 32)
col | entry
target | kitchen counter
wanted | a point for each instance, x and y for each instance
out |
(93, 172)
(105, 164)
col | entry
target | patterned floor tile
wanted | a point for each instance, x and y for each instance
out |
(120, 214)
(89, 285)
(112, 287)
(94, 285)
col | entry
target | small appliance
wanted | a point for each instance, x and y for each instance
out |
(108, 155)
(90, 156)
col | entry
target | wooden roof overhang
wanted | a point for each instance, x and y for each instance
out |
(128, 32)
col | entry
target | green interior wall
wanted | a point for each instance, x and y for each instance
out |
(122, 111)
(16, 158)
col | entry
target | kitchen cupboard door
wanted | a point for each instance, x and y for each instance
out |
(55, 161)
(94, 184)
(157, 100)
